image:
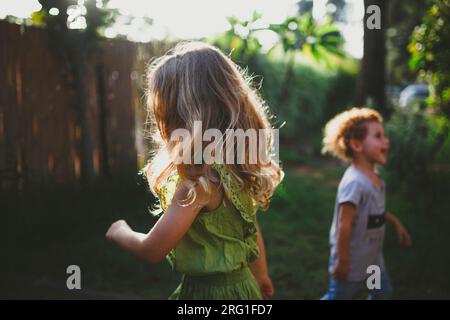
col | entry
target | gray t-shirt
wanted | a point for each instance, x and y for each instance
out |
(367, 233)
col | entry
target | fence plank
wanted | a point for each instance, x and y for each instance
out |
(39, 123)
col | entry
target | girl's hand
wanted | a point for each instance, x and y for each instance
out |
(115, 228)
(266, 286)
(403, 236)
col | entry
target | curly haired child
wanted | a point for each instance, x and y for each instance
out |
(357, 231)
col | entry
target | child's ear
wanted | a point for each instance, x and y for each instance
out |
(356, 145)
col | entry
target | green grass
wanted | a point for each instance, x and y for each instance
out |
(296, 234)
(48, 233)
(45, 234)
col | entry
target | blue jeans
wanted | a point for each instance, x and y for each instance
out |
(347, 290)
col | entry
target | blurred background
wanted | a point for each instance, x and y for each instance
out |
(72, 142)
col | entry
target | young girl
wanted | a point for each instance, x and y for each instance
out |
(208, 231)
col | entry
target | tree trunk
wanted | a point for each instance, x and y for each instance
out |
(371, 80)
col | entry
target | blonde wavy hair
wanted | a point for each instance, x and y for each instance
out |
(197, 82)
(350, 124)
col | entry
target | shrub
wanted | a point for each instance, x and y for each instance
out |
(430, 52)
(419, 155)
(316, 94)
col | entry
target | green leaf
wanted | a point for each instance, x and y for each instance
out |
(334, 50)
(256, 16)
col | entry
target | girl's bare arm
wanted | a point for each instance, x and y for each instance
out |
(259, 267)
(165, 234)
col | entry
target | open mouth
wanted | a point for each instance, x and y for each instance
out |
(385, 151)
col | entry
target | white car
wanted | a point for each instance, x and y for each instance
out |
(413, 93)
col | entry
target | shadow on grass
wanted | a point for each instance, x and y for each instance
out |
(47, 232)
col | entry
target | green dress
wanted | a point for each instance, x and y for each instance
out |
(214, 255)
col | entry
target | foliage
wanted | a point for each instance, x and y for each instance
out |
(240, 40)
(402, 17)
(302, 33)
(296, 34)
(315, 94)
(91, 16)
(338, 8)
(299, 91)
(420, 149)
(430, 53)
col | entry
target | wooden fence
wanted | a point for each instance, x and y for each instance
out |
(40, 129)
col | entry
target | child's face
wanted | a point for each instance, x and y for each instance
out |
(375, 146)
